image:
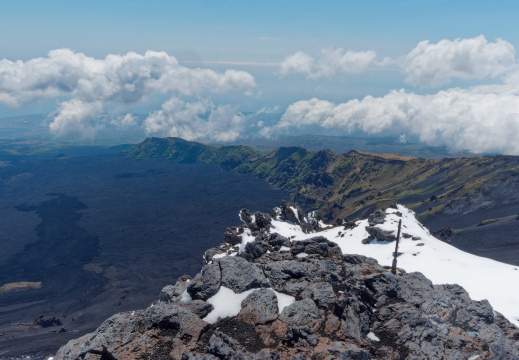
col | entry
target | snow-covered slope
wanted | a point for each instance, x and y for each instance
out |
(440, 262)
(297, 291)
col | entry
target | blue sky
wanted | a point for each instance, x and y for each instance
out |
(255, 38)
(231, 30)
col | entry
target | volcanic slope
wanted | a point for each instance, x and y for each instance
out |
(356, 182)
(457, 193)
(286, 286)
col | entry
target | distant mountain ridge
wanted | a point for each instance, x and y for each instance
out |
(355, 183)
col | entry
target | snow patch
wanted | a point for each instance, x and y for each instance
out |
(185, 298)
(440, 262)
(294, 210)
(284, 248)
(227, 303)
(284, 300)
(219, 256)
(372, 336)
(246, 237)
(302, 255)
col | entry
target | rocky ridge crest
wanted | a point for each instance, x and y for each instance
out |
(344, 306)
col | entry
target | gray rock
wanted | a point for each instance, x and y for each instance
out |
(246, 216)
(347, 351)
(294, 287)
(262, 220)
(279, 272)
(355, 317)
(415, 288)
(278, 240)
(295, 334)
(254, 250)
(322, 294)
(292, 213)
(317, 245)
(120, 328)
(222, 346)
(172, 293)
(239, 275)
(378, 217)
(199, 307)
(383, 284)
(301, 313)
(381, 235)
(259, 307)
(170, 316)
(206, 283)
(233, 234)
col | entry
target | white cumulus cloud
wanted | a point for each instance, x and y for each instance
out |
(76, 118)
(200, 120)
(427, 65)
(328, 63)
(479, 119)
(431, 65)
(118, 79)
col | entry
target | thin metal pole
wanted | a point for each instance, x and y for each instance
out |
(393, 268)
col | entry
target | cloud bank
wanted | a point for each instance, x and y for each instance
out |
(328, 63)
(482, 118)
(117, 79)
(197, 120)
(427, 65)
(478, 119)
(431, 65)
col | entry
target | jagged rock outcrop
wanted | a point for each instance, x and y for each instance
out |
(445, 234)
(343, 306)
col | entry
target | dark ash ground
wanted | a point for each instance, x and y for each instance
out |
(104, 234)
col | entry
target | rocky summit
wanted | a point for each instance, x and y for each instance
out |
(266, 294)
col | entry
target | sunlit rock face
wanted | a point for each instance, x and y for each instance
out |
(287, 286)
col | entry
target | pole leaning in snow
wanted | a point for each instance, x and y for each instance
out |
(395, 254)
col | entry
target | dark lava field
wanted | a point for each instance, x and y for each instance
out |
(104, 234)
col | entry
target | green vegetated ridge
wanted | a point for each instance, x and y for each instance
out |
(350, 184)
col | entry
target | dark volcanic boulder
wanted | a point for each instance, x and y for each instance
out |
(301, 313)
(259, 307)
(233, 234)
(292, 213)
(317, 245)
(278, 240)
(321, 292)
(383, 284)
(206, 283)
(262, 220)
(381, 235)
(198, 307)
(222, 346)
(46, 322)
(445, 234)
(240, 275)
(304, 334)
(254, 250)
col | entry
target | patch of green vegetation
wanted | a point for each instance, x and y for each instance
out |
(341, 185)
(489, 221)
